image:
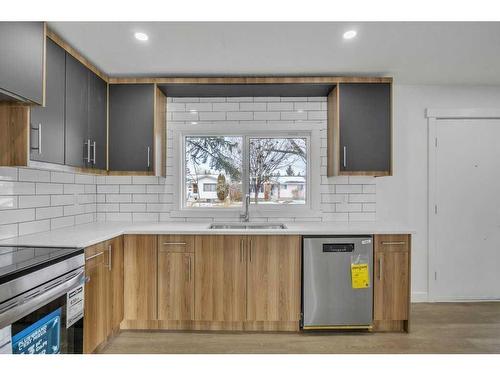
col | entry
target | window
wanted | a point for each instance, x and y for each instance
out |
(220, 170)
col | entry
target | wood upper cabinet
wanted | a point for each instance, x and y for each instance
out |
(391, 282)
(96, 293)
(220, 279)
(47, 123)
(273, 264)
(22, 56)
(175, 286)
(360, 129)
(140, 277)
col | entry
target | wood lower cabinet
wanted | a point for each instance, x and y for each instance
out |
(103, 292)
(391, 282)
(220, 279)
(95, 309)
(175, 286)
(140, 281)
(273, 281)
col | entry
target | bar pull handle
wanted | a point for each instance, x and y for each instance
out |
(388, 243)
(39, 130)
(241, 250)
(94, 256)
(149, 151)
(345, 157)
(174, 243)
(380, 267)
(94, 147)
(87, 158)
(110, 256)
(251, 250)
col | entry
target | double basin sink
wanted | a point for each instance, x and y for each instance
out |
(245, 226)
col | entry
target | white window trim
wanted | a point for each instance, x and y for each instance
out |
(311, 132)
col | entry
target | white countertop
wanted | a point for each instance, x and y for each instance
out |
(90, 234)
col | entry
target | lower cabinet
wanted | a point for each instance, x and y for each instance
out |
(273, 282)
(103, 292)
(391, 283)
(175, 286)
(140, 282)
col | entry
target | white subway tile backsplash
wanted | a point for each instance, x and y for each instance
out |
(198, 107)
(345, 189)
(67, 178)
(124, 189)
(34, 175)
(8, 231)
(118, 198)
(62, 222)
(16, 188)
(17, 215)
(8, 202)
(280, 106)
(252, 107)
(266, 115)
(49, 212)
(362, 216)
(73, 189)
(145, 198)
(212, 116)
(239, 115)
(225, 107)
(8, 174)
(49, 188)
(61, 200)
(33, 227)
(27, 201)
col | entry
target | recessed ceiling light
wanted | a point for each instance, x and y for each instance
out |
(194, 123)
(350, 34)
(141, 36)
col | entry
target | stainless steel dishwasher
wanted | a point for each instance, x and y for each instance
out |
(331, 297)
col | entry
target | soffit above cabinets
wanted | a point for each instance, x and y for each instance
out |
(254, 90)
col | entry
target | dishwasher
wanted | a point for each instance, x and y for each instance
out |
(337, 286)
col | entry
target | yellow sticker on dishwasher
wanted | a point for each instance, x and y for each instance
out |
(360, 276)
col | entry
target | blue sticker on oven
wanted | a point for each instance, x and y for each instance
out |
(42, 337)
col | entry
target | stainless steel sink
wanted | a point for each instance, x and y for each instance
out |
(245, 226)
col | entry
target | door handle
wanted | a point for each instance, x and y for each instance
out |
(93, 145)
(87, 158)
(110, 256)
(94, 256)
(345, 156)
(149, 162)
(251, 250)
(380, 267)
(388, 243)
(39, 130)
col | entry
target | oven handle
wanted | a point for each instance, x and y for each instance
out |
(35, 301)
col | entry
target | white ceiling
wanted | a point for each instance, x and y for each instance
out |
(411, 52)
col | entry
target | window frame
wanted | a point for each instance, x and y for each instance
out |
(309, 131)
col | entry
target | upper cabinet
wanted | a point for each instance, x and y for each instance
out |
(47, 123)
(22, 59)
(360, 130)
(135, 129)
(97, 120)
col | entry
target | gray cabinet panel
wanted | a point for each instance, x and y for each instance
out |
(131, 126)
(50, 119)
(97, 111)
(76, 112)
(21, 59)
(365, 127)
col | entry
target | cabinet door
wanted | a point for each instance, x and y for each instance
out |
(76, 113)
(140, 277)
(220, 279)
(273, 278)
(391, 285)
(22, 48)
(365, 127)
(97, 114)
(131, 124)
(175, 286)
(114, 267)
(94, 320)
(47, 123)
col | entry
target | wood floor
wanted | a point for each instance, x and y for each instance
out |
(436, 328)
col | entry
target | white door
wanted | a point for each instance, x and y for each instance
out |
(465, 229)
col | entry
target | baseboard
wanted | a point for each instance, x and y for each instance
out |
(417, 297)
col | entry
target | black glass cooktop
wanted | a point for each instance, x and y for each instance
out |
(16, 261)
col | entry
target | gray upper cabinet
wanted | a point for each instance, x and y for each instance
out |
(97, 118)
(22, 51)
(78, 151)
(47, 123)
(131, 127)
(365, 128)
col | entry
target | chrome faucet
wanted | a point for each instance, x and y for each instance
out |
(246, 215)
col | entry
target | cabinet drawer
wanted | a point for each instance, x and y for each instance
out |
(392, 242)
(94, 255)
(176, 243)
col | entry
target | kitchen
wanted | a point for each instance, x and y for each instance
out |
(250, 210)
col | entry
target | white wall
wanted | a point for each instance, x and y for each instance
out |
(403, 197)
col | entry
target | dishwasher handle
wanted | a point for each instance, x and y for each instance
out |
(338, 247)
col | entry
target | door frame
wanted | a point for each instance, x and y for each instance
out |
(433, 117)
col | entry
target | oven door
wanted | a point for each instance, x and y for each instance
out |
(47, 320)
